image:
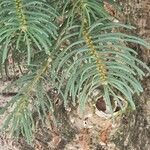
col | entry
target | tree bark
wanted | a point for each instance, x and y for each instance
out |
(134, 131)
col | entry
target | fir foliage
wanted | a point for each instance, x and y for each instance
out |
(73, 46)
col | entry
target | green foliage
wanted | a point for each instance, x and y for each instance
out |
(27, 26)
(71, 46)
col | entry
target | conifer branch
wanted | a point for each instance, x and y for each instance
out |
(21, 16)
(101, 67)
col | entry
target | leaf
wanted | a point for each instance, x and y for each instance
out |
(28, 48)
(107, 98)
(5, 51)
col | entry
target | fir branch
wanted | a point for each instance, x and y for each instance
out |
(101, 67)
(21, 15)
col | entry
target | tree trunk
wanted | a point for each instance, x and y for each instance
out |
(134, 132)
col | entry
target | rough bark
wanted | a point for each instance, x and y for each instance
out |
(134, 131)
